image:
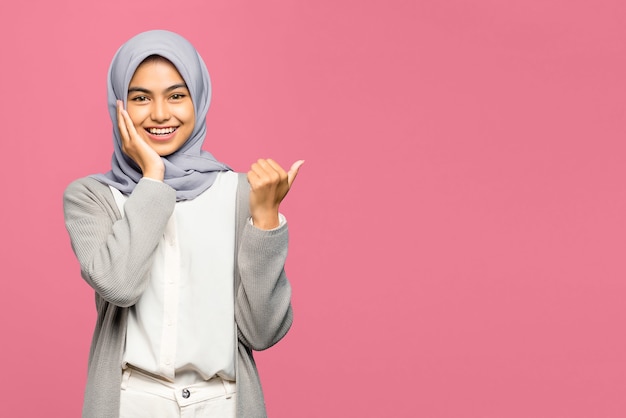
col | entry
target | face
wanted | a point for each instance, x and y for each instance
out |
(160, 106)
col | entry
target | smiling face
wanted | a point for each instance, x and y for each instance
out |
(160, 106)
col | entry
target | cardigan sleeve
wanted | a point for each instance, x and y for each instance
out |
(263, 296)
(115, 254)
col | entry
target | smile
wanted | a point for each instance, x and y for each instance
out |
(161, 131)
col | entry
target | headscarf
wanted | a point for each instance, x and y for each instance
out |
(190, 170)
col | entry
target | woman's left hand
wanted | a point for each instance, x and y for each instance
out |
(269, 184)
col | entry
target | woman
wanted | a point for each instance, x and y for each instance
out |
(186, 257)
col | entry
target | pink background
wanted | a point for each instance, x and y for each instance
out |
(457, 231)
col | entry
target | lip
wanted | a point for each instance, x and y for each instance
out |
(161, 138)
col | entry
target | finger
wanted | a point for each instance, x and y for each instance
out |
(265, 166)
(266, 171)
(256, 171)
(130, 127)
(293, 171)
(253, 178)
(121, 123)
(273, 164)
(276, 167)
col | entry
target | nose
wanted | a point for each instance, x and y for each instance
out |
(160, 111)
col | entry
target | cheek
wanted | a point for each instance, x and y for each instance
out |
(136, 116)
(191, 116)
(190, 122)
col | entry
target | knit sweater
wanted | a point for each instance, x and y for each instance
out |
(115, 255)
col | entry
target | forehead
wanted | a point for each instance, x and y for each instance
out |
(156, 70)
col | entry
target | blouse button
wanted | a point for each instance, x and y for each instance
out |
(186, 393)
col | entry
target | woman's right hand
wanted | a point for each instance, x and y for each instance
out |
(135, 147)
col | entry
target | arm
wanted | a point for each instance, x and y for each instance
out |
(263, 294)
(115, 255)
(263, 309)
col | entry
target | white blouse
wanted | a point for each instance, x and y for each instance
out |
(183, 326)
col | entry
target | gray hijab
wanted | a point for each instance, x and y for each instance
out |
(190, 170)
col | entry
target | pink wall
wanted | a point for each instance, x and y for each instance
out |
(458, 229)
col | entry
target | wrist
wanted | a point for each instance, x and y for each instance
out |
(266, 220)
(158, 175)
(155, 171)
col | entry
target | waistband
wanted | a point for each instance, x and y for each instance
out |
(183, 394)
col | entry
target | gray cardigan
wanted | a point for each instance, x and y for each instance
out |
(115, 255)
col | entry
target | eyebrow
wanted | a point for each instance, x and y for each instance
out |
(170, 88)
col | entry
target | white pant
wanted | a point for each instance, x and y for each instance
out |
(145, 396)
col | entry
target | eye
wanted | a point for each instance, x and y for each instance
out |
(178, 96)
(139, 99)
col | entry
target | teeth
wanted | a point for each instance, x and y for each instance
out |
(161, 131)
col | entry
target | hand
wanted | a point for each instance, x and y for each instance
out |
(135, 147)
(269, 185)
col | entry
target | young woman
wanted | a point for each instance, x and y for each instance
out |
(185, 256)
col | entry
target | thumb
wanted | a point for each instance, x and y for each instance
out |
(293, 171)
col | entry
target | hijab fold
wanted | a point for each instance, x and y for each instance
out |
(190, 170)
